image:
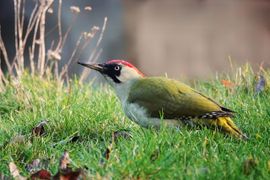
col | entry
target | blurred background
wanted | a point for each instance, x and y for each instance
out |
(183, 38)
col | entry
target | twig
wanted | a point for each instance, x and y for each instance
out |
(65, 68)
(62, 39)
(68, 31)
(31, 23)
(42, 51)
(20, 20)
(98, 55)
(34, 41)
(2, 78)
(16, 28)
(59, 21)
(99, 40)
(86, 71)
(38, 55)
(5, 55)
(79, 48)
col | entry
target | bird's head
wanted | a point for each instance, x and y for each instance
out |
(116, 71)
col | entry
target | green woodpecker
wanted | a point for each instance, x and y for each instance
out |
(145, 99)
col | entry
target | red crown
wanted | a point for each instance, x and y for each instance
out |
(118, 61)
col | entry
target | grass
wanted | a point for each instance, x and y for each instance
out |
(94, 113)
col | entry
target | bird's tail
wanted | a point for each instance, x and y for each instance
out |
(226, 125)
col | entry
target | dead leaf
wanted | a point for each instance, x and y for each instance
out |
(268, 165)
(260, 85)
(41, 174)
(64, 161)
(36, 165)
(37, 169)
(249, 165)
(106, 154)
(115, 136)
(68, 174)
(108, 151)
(33, 166)
(121, 134)
(65, 172)
(15, 173)
(227, 83)
(39, 129)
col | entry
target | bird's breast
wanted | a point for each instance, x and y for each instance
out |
(139, 115)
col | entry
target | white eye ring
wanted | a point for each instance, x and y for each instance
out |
(117, 68)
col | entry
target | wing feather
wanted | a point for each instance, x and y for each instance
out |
(171, 98)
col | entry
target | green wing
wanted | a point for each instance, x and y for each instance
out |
(172, 98)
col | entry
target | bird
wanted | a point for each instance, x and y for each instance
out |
(153, 101)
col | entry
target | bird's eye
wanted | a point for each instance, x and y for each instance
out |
(117, 68)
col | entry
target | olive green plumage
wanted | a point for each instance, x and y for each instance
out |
(175, 99)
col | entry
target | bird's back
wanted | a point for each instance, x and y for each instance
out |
(172, 98)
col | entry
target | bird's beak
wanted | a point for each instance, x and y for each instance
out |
(97, 67)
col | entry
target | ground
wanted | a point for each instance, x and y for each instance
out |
(82, 119)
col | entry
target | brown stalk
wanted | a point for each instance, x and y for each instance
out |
(78, 50)
(16, 28)
(31, 24)
(42, 51)
(93, 55)
(65, 68)
(85, 44)
(60, 36)
(5, 55)
(35, 40)
(37, 50)
(20, 41)
(20, 50)
(2, 79)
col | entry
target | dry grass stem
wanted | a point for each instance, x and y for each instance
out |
(4, 52)
(44, 61)
(94, 53)
(42, 51)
